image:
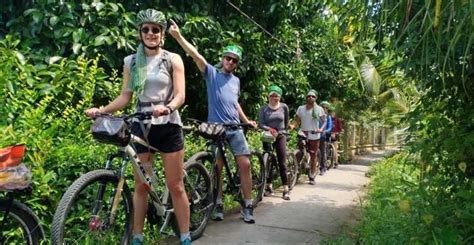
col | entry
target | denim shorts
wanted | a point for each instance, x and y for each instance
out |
(237, 142)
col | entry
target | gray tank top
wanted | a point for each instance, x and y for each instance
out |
(158, 86)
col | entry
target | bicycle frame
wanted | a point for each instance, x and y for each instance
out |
(221, 149)
(128, 154)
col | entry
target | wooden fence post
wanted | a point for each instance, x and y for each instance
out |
(382, 138)
(353, 140)
(373, 137)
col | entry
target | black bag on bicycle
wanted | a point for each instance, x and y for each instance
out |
(111, 130)
(211, 130)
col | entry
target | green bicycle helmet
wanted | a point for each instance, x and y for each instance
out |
(233, 49)
(151, 16)
(275, 89)
(326, 104)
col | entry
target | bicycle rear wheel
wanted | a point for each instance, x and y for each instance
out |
(20, 226)
(83, 214)
(198, 189)
(258, 176)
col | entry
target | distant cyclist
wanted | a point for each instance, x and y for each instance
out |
(308, 116)
(223, 91)
(336, 130)
(274, 118)
(327, 131)
(157, 77)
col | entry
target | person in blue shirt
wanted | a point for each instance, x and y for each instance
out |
(223, 90)
(327, 131)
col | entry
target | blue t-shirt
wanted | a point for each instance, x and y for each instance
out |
(328, 126)
(223, 92)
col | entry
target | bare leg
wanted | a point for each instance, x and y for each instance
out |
(173, 165)
(140, 196)
(220, 164)
(245, 175)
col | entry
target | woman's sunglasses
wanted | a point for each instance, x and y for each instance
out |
(154, 30)
(228, 59)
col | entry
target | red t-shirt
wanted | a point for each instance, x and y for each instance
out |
(336, 125)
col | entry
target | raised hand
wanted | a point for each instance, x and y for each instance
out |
(174, 29)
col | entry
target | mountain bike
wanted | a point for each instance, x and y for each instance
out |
(303, 158)
(98, 207)
(216, 145)
(18, 223)
(271, 161)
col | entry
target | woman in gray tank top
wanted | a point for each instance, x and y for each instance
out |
(157, 78)
(274, 118)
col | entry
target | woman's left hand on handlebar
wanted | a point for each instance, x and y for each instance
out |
(273, 131)
(160, 110)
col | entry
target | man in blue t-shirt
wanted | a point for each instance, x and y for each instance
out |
(223, 90)
(327, 131)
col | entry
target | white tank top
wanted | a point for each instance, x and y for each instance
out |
(158, 86)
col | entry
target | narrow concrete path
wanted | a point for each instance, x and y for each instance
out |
(313, 214)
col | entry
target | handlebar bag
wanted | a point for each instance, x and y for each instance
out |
(211, 130)
(111, 130)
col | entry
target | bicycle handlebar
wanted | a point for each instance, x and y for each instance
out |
(138, 115)
(226, 125)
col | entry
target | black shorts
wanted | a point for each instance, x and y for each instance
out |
(335, 138)
(166, 138)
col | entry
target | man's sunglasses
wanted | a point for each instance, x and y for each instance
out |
(312, 96)
(154, 30)
(228, 59)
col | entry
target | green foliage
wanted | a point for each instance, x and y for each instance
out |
(375, 61)
(45, 111)
(406, 206)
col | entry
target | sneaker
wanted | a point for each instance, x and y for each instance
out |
(322, 172)
(286, 195)
(268, 191)
(247, 214)
(335, 166)
(218, 212)
(311, 181)
(186, 242)
(136, 241)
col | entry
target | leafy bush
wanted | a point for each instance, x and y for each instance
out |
(406, 206)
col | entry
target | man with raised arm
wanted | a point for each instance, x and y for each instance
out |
(223, 90)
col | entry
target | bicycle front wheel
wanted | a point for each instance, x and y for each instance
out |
(20, 226)
(258, 176)
(84, 214)
(292, 170)
(329, 156)
(197, 184)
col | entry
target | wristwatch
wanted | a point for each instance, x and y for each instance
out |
(170, 108)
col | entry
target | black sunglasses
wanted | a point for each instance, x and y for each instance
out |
(228, 58)
(154, 30)
(312, 96)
